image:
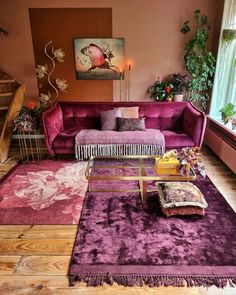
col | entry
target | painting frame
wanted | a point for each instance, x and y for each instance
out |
(99, 58)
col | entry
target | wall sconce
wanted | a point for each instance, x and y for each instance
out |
(3, 32)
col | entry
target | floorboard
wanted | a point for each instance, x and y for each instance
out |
(34, 259)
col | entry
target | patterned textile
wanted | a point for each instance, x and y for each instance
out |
(130, 124)
(109, 119)
(178, 194)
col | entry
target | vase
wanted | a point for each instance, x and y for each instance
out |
(178, 97)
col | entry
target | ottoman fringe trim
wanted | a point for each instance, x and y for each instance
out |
(83, 152)
(154, 280)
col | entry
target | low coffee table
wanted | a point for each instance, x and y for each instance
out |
(128, 168)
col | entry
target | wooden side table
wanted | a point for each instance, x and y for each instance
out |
(31, 145)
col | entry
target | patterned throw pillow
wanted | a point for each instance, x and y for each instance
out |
(182, 198)
(129, 112)
(109, 119)
(130, 124)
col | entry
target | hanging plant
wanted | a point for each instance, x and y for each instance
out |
(199, 61)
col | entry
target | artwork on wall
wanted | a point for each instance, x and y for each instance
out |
(99, 58)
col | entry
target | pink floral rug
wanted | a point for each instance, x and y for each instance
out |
(51, 192)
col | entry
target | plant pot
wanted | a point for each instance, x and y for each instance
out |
(225, 118)
(178, 97)
(233, 122)
(169, 99)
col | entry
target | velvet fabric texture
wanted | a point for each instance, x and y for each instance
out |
(120, 241)
(109, 119)
(130, 124)
(180, 122)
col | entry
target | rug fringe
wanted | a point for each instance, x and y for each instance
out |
(154, 280)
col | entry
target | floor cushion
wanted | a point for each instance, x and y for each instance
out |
(182, 198)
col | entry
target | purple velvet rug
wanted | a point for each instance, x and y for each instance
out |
(118, 241)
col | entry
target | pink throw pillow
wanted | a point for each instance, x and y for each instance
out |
(109, 119)
(129, 112)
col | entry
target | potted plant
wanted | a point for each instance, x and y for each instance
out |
(199, 61)
(228, 35)
(161, 90)
(180, 83)
(227, 112)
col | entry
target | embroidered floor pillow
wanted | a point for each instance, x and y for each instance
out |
(180, 198)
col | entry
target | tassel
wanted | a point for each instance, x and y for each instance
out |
(154, 280)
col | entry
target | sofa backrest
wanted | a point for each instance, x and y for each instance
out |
(158, 115)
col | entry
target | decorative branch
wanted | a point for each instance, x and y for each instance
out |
(53, 66)
(42, 71)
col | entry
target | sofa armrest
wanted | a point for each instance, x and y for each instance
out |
(194, 123)
(52, 125)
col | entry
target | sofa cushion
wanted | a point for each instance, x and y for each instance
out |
(65, 139)
(130, 124)
(109, 119)
(129, 112)
(177, 140)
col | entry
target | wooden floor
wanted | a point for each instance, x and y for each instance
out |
(34, 259)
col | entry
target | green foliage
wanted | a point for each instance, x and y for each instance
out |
(199, 61)
(180, 82)
(228, 35)
(228, 110)
(161, 90)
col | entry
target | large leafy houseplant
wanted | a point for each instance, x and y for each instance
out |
(199, 61)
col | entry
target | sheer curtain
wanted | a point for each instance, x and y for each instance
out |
(224, 89)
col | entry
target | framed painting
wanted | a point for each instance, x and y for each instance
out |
(99, 58)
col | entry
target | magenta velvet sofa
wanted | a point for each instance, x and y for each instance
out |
(180, 122)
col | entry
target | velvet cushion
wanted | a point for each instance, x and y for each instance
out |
(180, 194)
(109, 119)
(177, 140)
(187, 210)
(129, 112)
(130, 124)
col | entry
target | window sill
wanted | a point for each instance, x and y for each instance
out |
(223, 131)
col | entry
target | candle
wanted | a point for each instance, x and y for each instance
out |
(121, 75)
(129, 68)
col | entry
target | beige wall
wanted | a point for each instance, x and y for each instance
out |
(154, 45)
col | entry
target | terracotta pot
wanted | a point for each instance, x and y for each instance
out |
(178, 97)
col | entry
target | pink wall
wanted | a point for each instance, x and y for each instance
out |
(154, 45)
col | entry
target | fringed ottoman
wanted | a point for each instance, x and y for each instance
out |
(91, 142)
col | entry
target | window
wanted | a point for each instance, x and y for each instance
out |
(224, 89)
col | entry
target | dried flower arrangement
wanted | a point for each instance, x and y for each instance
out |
(43, 71)
(190, 158)
(28, 118)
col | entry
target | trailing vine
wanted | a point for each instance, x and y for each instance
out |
(199, 61)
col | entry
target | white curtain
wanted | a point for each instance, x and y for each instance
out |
(224, 89)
